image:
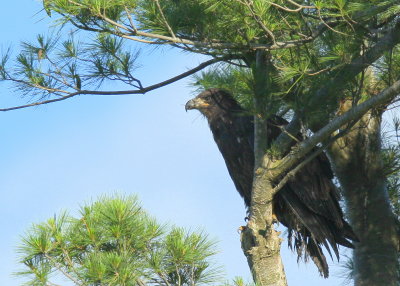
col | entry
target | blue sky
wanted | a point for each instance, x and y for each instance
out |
(59, 156)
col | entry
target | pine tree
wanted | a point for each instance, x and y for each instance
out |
(113, 241)
(332, 65)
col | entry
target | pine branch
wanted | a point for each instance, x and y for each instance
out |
(347, 74)
(125, 92)
(133, 32)
(298, 151)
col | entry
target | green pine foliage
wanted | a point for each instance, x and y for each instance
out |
(322, 35)
(51, 66)
(113, 241)
(238, 81)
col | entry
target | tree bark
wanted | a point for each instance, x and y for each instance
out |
(357, 162)
(260, 241)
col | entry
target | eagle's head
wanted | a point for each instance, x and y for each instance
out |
(214, 102)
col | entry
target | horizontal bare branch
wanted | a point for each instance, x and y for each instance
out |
(125, 92)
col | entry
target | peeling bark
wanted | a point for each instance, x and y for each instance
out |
(358, 164)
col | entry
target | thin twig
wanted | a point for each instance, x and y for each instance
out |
(318, 72)
(128, 14)
(165, 19)
(59, 267)
(328, 26)
(32, 85)
(299, 7)
(140, 282)
(260, 21)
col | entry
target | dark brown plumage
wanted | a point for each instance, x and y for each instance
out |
(307, 205)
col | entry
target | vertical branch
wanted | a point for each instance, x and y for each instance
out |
(260, 242)
(261, 90)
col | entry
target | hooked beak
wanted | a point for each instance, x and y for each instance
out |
(196, 103)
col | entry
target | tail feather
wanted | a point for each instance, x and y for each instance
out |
(318, 258)
(308, 231)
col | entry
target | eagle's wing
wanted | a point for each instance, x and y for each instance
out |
(308, 206)
(235, 139)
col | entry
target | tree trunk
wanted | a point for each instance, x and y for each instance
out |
(260, 241)
(357, 162)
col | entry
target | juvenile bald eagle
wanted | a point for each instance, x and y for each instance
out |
(307, 205)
